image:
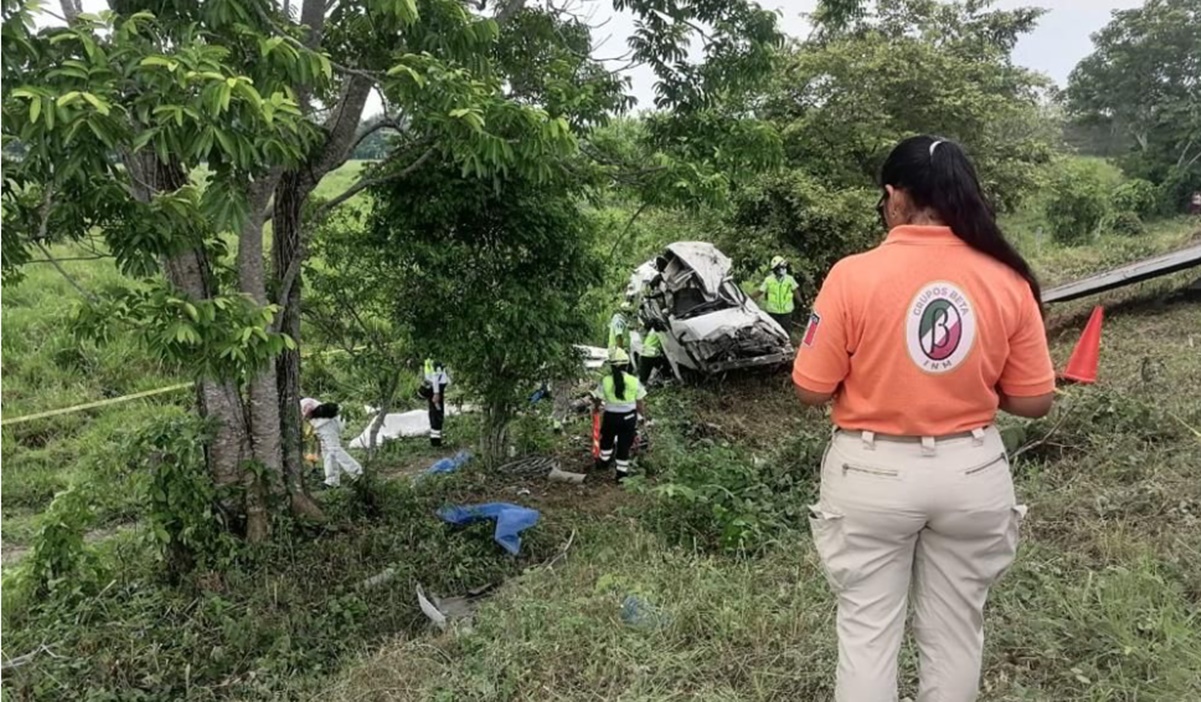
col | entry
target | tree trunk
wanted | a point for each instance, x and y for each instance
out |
(495, 439)
(219, 401)
(294, 187)
(262, 408)
(387, 396)
(291, 192)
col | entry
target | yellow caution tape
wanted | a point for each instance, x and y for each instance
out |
(90, 405)
(136, 395)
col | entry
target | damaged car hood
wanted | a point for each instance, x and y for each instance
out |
(712, 326)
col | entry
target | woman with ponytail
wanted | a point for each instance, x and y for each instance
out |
(623, 400)
(919, 342)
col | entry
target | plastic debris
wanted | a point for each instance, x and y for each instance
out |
(640, 614)
(563, 476)
(430, 611)
(511, 520)
(450, 464)
(378, 579)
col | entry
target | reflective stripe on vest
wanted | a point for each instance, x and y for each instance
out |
(779, 294)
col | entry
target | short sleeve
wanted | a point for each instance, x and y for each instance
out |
(763, 285)
(641, 394)
(792, 284)
(599, 391)
(822, 360)
(1028, 370)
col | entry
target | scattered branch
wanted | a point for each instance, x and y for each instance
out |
(63, 272)
(71, 258)
(1046, 437)
(23, 659)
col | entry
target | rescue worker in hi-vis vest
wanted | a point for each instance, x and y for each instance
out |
(780, 293)
(619, 327)
(919, 342)
(651, 356)
(437, 379)
(622, 397)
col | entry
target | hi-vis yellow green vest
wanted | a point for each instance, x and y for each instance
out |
(652, 345)
(627, 401)
(617, 328)
(778, 297)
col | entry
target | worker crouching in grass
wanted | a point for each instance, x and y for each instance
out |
(623, 399)
(327, 424)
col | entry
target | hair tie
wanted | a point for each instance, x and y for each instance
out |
(934, 146)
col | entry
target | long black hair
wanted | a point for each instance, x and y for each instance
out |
(619, 379)
(937, 174)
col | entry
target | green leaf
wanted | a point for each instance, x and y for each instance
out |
(69, 98)
(100, 105)
(35, 109)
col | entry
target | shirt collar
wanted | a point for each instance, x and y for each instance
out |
(922, 235)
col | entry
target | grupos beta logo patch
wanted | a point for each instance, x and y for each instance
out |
(940, 327)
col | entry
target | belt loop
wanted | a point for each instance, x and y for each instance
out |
(928, 446)
(869, 439)
(978, 436)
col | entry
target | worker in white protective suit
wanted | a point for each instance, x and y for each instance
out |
(327, 424)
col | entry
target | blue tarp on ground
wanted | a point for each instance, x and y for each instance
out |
(511, 520)
(449, 465)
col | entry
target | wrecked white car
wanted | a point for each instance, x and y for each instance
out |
(712, 326)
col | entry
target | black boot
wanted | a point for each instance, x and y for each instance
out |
(621, 475)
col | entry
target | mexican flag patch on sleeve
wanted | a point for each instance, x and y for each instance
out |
(811, 330)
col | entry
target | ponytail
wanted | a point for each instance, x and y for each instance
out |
(619, 380)
(937, 174)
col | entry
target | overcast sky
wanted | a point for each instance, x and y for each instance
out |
(1054, 48)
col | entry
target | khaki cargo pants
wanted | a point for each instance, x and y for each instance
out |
(933, 517)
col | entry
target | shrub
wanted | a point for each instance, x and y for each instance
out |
(793, 215)
(1078, 201)
(1127, 223)
(1136, 196)
(719, 498)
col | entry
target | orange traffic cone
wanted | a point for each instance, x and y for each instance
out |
(1082, 366)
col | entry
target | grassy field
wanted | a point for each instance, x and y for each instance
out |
(1104, 603)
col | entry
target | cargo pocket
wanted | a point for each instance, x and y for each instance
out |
(827, 540)
(1017, 514)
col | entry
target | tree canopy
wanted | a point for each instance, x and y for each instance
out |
(1143, 83)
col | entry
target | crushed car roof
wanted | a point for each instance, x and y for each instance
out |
(706, 260)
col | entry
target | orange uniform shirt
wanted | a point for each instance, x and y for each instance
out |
(915, 336)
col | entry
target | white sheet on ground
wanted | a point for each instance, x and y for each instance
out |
(404, 424)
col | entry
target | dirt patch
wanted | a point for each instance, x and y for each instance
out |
(11, 554)
(755, 410)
